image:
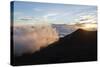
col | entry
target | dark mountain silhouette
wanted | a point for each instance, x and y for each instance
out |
(78, 46)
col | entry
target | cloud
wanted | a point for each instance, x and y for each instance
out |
(50, 15)
(87, 19)
(28, 39)
(25, 18)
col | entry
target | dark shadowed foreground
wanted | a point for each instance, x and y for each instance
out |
(78, 46)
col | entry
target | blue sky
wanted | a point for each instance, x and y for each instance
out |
(33, 12)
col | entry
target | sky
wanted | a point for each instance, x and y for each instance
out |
(34, 12)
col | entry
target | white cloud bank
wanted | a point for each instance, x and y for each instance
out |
(32, 38)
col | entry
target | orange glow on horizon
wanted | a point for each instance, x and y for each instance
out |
(88, 27)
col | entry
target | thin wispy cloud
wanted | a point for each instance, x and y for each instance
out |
(50, 15)
(25, 18)
(86, 19)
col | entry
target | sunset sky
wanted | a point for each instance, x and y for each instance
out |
(29, 37)
(33, 12)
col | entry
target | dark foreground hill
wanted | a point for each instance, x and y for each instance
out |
(78, 46)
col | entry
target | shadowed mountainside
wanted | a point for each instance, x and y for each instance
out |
(78, 46)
